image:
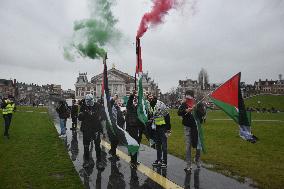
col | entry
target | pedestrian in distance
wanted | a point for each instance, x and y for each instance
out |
(74, 115)
(63, 113)
(8, 108)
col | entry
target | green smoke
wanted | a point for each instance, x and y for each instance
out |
(92, 35)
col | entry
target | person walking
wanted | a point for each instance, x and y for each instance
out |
(133, 125)
(63, 113)
(90, 116)
(190, 127)
(74, 115)
(161, 129)
(8, 108)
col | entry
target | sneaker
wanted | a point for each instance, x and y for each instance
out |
(164, 164)
(133, 165)
(156, 163)
(188, 169)
(62, 136)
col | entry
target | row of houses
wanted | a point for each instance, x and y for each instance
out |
(32, 94)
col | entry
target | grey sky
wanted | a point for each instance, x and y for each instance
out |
(222, 36)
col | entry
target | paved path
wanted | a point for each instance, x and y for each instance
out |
(119, 174)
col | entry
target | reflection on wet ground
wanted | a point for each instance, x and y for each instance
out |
(119, 174)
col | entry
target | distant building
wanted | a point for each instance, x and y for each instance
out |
(119, 83)
(7, 87)
(269, 87)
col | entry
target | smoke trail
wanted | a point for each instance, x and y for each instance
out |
(92, 35)
(155, 16)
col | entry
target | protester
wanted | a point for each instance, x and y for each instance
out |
(90, 115)
(119, 120)
(74, 115)
(161, 129)
(63, 113)
(190, 127)
(8, 108)
(133, 125)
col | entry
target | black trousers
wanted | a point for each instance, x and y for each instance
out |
(136, 133)
(87, 142)
(7, 123)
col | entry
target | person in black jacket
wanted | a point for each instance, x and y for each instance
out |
(90, 116)
(190, 127)
(133, 125)
(74, 115)
(63, 113)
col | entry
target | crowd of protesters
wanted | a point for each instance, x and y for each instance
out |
(157, 130)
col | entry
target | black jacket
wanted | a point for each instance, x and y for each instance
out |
(91, 118)
(187, 118)
(74, 111)
(63, 111)
(131, 117)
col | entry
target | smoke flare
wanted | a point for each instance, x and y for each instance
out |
(155, 16)
(92, 35)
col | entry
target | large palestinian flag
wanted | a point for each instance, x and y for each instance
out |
(113, 129)
(228, 97)
(142, 105)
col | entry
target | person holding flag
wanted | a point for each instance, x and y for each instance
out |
(133, 125)
(191, 119)
(161, 129)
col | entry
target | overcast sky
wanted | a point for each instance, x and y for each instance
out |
(221, 36)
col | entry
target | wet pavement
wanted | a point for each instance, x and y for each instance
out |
(119, 174)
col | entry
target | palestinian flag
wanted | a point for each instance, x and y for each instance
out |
(114, 130)
(142, 105)
(200, 142)
(228, 97)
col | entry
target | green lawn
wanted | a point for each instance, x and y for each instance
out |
(263, 162)
(34, 156)
(266, 101)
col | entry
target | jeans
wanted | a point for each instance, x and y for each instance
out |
(7, 123)
(187, 133)
(161, 143)
(63, 126)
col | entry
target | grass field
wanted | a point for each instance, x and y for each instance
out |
(229, 154)
(34, 156)
(266, 101)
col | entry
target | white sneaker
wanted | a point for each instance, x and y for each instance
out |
(188, 169)
(62, 136)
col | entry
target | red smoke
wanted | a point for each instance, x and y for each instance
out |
(159, 9)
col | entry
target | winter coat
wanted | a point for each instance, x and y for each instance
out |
(91, 118)
(63, 111)
(187, 118)
(131, 117)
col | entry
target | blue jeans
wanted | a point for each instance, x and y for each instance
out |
(161, 143)
(62, 126)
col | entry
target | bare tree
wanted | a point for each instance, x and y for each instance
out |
(203, 79)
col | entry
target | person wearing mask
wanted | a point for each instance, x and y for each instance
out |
(63, 113)
(8, 108)
(190, 127)
(74, 115)
(90, 116)
(133, 125)
(161, 129)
